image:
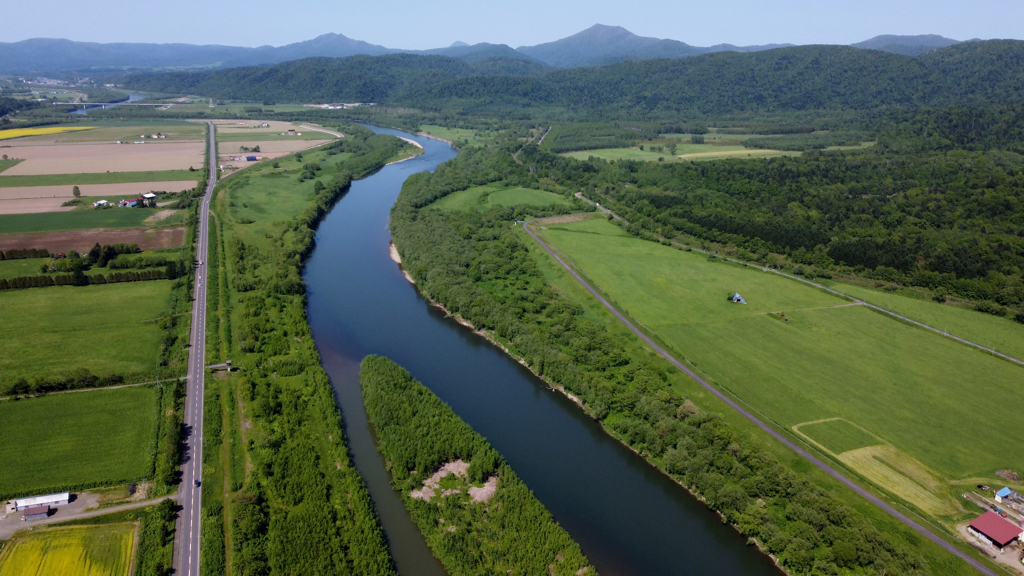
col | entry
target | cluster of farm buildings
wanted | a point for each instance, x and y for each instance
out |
(37, 507)
(147, 199)
(993, 528)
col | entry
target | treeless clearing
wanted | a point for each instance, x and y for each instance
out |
(93, 158)
(160, 216)
(64, 191)
(268, 148)
(83, 240)
(33, 205)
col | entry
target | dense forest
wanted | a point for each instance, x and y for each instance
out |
(475, 265)
(468, 528)
(302, 508)
(797, 78)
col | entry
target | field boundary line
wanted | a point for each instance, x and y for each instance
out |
(95, 389)
(818, 463)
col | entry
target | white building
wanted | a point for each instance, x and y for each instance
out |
(48, 500)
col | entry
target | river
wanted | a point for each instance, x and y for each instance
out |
(628, 517)
(131, 98)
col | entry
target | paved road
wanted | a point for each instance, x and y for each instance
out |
(186, 534)
(774, 433)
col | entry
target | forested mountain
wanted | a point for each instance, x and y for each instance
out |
(906, 45)
(797, 78)
(602, 44)
(598, 45)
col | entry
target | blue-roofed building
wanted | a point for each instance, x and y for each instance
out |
(1005, 493)
(738, 299)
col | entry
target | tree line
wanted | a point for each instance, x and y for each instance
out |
(475, 265)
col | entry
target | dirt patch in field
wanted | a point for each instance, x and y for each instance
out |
(64, 191)
(430, 485)
(94, 158)
(159, 216)
(33, 205)
(1008, 475)
(485, 492)
(83, 240)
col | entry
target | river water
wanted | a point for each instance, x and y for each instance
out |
(131, 98)
(628, 517)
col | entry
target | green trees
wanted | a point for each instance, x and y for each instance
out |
(474, 264)
(508, 530)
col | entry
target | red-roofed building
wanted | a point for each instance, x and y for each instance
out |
(996, 530)
(36, 513)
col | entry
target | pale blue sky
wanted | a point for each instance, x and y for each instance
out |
(419, 24)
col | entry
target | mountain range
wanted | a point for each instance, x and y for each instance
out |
(596, 46)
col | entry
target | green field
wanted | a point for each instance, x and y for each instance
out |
(838, 435)
(925, 394)
(104, 550)
(106, 328)
(5, 164)
(23, 267)
(99, 178)
(498, 195)
(458, 135)
(997, 333)
(77, 439)
(82, 219)
(684, 152)
(112, 131)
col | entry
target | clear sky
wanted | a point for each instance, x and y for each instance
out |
(420, 24)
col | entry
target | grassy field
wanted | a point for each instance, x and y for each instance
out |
(107, 328)
(498, 195)
(98, 178)
(104, 550)
(799, 355)
(103, 436)
(837, 435)
(24, 267)
(684, 152)
(79, 220)
(271, 136)
(5, 164)
(1000, 334)
(112, 131)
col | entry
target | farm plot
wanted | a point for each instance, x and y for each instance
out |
(268, 148)
(23, 132)
(33, 205)
(800, 355)
(106, 328)
(104, 550)
(97, 158)
(253, 127)
(83, 240)
(65, 191)
(74, 220)
(69, 180)
(104, 437)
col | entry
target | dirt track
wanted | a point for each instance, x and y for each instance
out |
(83, 240)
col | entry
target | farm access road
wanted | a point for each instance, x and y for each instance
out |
(186, 533)
(757, 421)
(12, 523)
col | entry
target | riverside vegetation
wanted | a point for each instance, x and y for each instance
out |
(474, 263)
(470, 528)
(286, 497)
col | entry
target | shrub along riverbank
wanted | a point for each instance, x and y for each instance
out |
(292, 501)
(474, 264)
(477, 516)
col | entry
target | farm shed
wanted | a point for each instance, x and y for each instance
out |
(48, 500)
(149, 196)
(994, 529)
(36, 513)
(1005, 493)
(737, 298)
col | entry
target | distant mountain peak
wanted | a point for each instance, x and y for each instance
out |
(458, 44)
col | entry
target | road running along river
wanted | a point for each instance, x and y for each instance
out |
(628, 517)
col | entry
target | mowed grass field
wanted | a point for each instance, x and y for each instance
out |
(473, 137)
(106, 328)
(1002, 334)
(933, 399)
(497, 195)
(684, 152)
(103, 550)
(78, 220)
(5, 164)
(77, 439)
(98, 178)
